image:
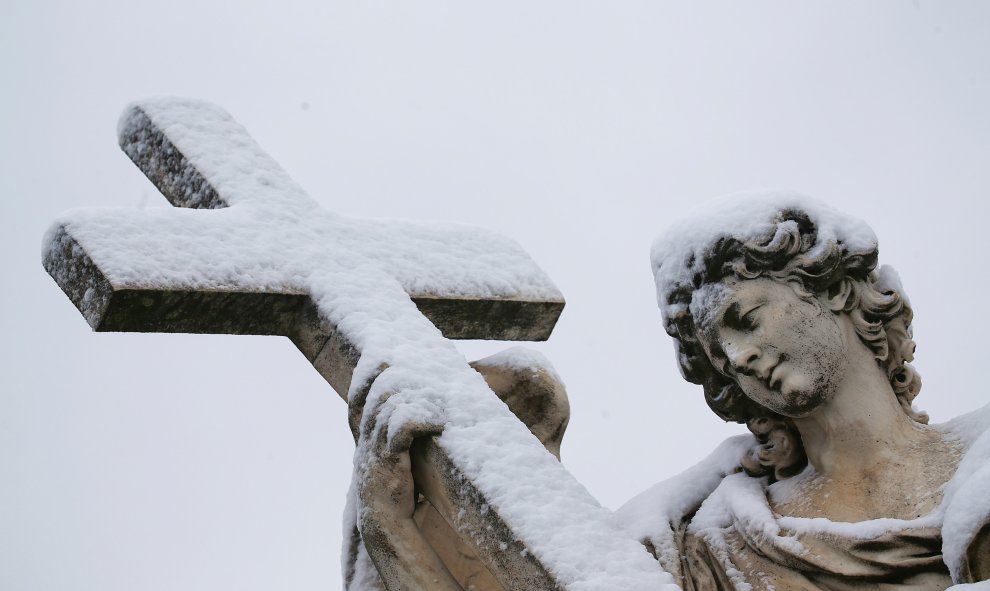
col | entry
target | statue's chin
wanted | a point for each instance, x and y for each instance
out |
(800, 396)
(803, 407)
(795, 401)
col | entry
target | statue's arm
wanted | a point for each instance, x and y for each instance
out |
(402, 556)
(529, 386)
(387, 500)
(403, 538)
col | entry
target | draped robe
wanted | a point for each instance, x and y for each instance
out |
(713, 528)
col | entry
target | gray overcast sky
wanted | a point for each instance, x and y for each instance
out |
(579, 129)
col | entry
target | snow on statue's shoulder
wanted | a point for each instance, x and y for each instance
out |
(653, 515)
(965, 503)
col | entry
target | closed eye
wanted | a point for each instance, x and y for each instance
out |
(748, 321)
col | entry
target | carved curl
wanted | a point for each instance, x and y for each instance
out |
(791, 253)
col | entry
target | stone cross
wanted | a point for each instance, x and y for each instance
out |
(260, 257)
(168, 271)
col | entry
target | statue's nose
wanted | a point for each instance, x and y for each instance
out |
(745, 358)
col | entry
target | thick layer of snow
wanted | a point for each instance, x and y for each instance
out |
(966, 503)
(274, 236)
(223, 151)
(359, 273)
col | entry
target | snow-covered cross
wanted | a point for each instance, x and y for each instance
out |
(260, 258)
(246, 251)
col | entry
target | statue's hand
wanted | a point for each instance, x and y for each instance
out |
(386, 492)
(386, 489)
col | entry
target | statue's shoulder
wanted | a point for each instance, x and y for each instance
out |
(658, 516)
(668, 503)
(968, 428)
(966, 522)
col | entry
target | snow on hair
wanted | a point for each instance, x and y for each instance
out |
(793, 250)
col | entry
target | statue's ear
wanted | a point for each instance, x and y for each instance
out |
(837, 294)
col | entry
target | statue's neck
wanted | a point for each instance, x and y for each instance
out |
(860, 428)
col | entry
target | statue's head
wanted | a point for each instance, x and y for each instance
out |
(760, 293)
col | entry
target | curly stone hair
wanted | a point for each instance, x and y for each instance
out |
(792, 253)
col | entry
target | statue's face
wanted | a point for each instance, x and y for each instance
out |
(786, 352)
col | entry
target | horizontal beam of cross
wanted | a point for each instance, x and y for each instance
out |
(124, 307)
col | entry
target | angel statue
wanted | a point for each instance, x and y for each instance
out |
(779, 311)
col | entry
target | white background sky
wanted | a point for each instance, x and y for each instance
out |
(581, 130)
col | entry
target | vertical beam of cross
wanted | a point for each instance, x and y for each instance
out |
(246, 251)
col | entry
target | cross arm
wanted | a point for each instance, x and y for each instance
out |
(200, 157)
(124, 273)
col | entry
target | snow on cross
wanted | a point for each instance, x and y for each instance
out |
(248, 265)
(366, 301)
